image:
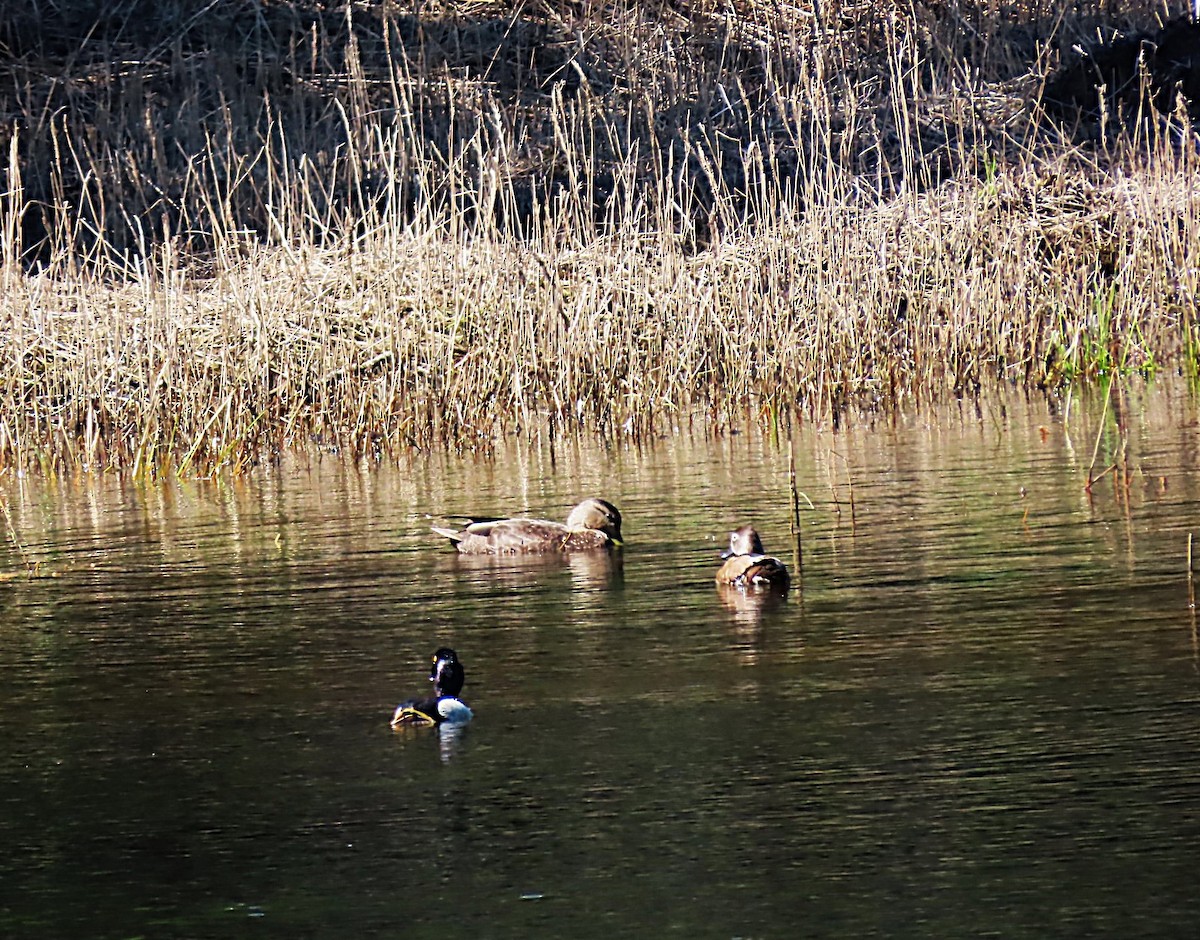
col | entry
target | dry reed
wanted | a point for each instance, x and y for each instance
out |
(269, 225)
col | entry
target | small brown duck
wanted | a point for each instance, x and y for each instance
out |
(746, 563)
(594, 523)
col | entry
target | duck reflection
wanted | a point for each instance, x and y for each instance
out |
(750, 605)
(597, 570)
(750, 609)
(588, 570)
(451, 739)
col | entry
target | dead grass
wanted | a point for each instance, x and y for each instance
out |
(378, 231)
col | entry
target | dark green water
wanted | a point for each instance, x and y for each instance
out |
(979, 717)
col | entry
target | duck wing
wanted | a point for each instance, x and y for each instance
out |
(472, 525)
(513, 536)
(416, 712)
(522, 537)
(753, 569)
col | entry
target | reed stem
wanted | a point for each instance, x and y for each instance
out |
(797, 545)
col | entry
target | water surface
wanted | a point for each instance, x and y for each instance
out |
(976, 716)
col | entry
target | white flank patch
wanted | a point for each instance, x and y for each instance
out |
(454, 712)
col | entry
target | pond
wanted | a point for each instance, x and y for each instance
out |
(976, 713)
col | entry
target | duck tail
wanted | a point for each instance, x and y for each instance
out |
(453, 536)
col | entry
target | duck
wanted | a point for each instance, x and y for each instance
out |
(747, 563)
(444, 707)
(594, 523)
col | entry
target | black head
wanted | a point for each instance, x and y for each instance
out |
(447, 673)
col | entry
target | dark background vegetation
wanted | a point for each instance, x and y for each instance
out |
(123, 118)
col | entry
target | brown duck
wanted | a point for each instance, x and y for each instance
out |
(594, 523)
(747, 563)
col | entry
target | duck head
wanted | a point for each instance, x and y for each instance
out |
(744, 541)
(447, 674)
(598, 514)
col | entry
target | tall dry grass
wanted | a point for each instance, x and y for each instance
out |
(259, 225)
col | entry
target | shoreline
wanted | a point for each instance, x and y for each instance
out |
(595, 255)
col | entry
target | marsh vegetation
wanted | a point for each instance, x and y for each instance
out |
(229, 231)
